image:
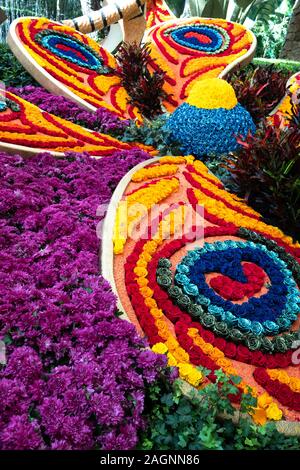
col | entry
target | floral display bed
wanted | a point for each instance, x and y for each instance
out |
(207, 281)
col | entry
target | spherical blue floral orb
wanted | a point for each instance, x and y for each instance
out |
(208, 124)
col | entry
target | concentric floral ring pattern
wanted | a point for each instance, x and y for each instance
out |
(75, 61)
(208, 282)
(193, 48)
(186, 49)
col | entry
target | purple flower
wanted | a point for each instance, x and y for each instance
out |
(75, 370)
(20, 434)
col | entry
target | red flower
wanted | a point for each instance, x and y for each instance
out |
(284, 395)
(283, 360)
(208, 336)
(261, 376)
(220, 343)
(271, 362)
(129, 277)
(230, 350)
(243, 354)
(258, 359)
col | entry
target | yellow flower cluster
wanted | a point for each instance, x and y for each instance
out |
(135, 206)
(212, 93)
(176, 160)
(286, 105)
(186, 371)
(266, 407)
(219, 209)
(285, 378)
(202, 169)
(177, 356)
(234, 201)
(152, 172)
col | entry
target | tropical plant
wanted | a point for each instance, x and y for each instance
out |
(253, 9)
(266, 172)
(259, 89)
(12, 72)
(144, 87)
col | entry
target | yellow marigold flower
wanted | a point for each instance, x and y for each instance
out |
(172, 343)
(156, 312)
(259, 416)
(141, 263)
(146, 292)
(142, 281)
(145, 256)
(189, 159)
(140, 272)
(207, 348)
(193, 332)
(274, 412)
(283, 377)
(162, 326)
(170, 159)
(160, 348)
(195, 378)
(185, 369)
(118, 247)
(181, 355)
(149, 302)
(171, 360)
(212, 93)
(295, 384)
(167, 169)
(216, 354)
(150, 247)
(224, 363)
(264, 401)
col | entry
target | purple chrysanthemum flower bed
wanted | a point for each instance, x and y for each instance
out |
(101, 121)
(76, 374)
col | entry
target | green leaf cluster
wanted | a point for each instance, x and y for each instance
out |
(203, 420)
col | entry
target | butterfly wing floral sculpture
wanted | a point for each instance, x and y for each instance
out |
(218, 291)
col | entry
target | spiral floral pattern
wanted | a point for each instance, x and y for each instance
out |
(227, 299)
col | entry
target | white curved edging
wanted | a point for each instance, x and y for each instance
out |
(107, 248)
(27, 151)
(37, 71)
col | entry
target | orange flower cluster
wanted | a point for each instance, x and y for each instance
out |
(36, 130)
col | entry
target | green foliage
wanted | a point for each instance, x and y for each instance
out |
(259, 89)
(152, 132)
(270, 33)
(253, 9)
(267, 172)
(144, 87)
(176, 6)
(12, 72)
(289, 66)
(193, 422)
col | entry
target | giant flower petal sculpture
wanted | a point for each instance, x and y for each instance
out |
(199, 271)
(68, 62)
(25, 129)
